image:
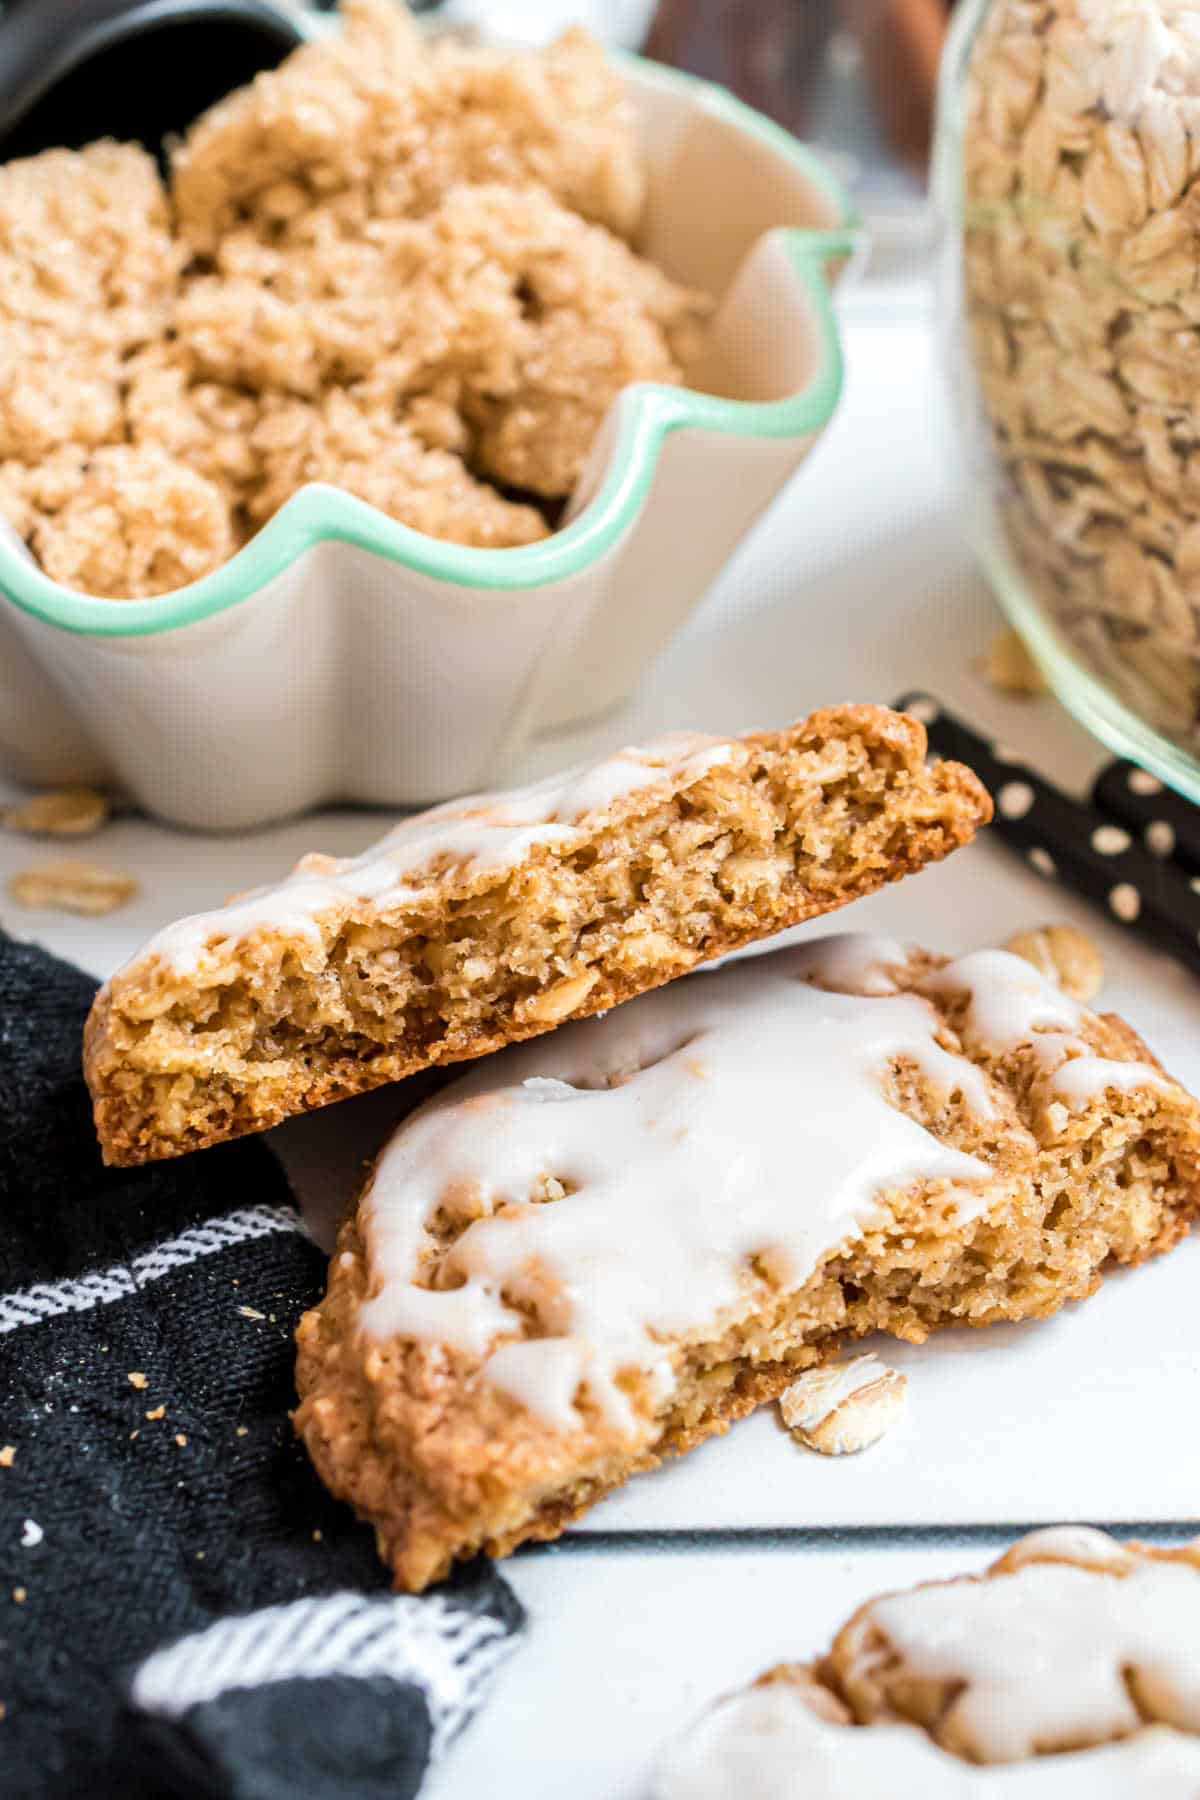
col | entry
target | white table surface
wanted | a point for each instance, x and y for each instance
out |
(856, 587)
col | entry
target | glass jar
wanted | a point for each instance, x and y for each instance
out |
(1067, 168)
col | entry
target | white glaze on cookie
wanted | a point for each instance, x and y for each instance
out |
(768, 1744)
(1072, 1543)
(1045, 1656)
(482, 835)
(1011, 1005)
(738, 1115)
(852, 962)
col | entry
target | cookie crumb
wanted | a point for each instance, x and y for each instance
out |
(316, 1537)
(158, 1413)
(243, 1431)
(181, 1439)
(20, 1595)
(8, 1456)
(137, 1378)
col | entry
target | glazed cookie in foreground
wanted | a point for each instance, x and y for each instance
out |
(1073, 1662)
(497, 917)
(601, 1248)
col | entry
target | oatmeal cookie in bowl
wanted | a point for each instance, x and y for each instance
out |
(427, 351)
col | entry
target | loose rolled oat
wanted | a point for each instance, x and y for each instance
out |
(842, 1408)
(66, 812)
(1082, 287)
(72, 886)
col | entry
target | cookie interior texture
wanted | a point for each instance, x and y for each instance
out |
(1073, 1651)
(443, 1462)
(259, 1022)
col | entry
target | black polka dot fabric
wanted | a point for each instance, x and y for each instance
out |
(1163, 822)
(1138, 860)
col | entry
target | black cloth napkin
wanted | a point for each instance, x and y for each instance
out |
(183, 1609)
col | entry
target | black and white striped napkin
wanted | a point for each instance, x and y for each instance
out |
(183, 1610)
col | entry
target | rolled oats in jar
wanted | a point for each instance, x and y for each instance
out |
(1070, 159)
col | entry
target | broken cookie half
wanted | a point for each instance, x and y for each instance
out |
(498, 917)
(1071, 1663)
(600, 1248)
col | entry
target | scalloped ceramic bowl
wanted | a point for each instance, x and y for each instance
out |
(341, 656)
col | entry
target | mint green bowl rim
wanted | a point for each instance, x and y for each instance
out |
(319, 513)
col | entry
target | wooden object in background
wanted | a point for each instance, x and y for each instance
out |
(771, 53)
(768, 52)
(901, 43)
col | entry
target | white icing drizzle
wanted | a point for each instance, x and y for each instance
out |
(852, 962)
(1009, 1000)
(1073, 1543)
(1011, 1005)
(768, 1744)
(1044, 1653)
(735, 1115)
(484, 833)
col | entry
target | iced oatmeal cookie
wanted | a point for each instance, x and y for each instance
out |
(499, 916)
(600, 1248)
(1071, 1664)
